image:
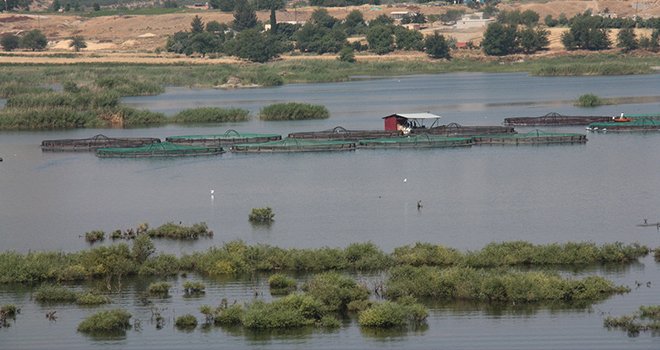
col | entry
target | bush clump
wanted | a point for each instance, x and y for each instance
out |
(281, 284)
(54, 294)
(226, 315)
(94, 236)
(187, 321)
(292, 311)
(173, 231)
(92, 298)
(106, 321)
(261, 215)
(335, 291)
(293, 111)
(159, 289)
(193, 288)
(211, 115)
(390, 314)
(647, 318)
(589, 100)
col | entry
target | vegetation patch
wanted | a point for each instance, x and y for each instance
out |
(291, 311)
(173, 231)
(94, 236)
(647, 318)
(54, 294)
(589, 100)
(106, 321)
(281, 284)
(335, 291)
(92, 298)
(186, 322)
(293, 111)
(193, 288)
(390, 314)
(161, 289)
(8, 312)
(261, 215)
(211, 115)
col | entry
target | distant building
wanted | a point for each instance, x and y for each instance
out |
(473, 20)
(398, 15)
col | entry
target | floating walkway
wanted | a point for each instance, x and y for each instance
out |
(159, 150)
(339, 133)
(416, 141)
(535, 137)
(230, 137)
(636, 124)
(291, 145)
(455, 129)
(555, 119)
(94, 143)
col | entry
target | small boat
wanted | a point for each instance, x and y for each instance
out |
(159, 150)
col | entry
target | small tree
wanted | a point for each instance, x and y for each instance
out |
(347, 55)
(627, 40)
(408, 39)
(78, 42)
(381, 39)
(9, 42)
(261, 215)
(196, 26)
(354, 23)
(499, 40)
(244, 16)
(97, 6)
(436, 46)
(34, 40)
(255, 46)
(531, 40)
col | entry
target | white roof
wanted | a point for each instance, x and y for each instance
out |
(418, 115)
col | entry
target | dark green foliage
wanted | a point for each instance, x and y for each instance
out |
(92, 298)
(513, 18)
(229, 315)
(321, 17)
(196, 26)
(346, 54)
(47, 293)
(223, 5)
(174, 231)
(532, 40)
(216, 27)
(292, 311)
(168, 4)
(499, 40)
(142, 248)
(414, 18)
(253, 45)
(293, 111)
(261, 215)
(320, 39)
(390, 314)
(328, 321)
(244, 16)
(409, 40)
(107, 321)
(281, 284)
(94, 236)
(380, 39)
(585, 33)
(427, 254)
(160, 265)
(335, 291)
(78, 43)
(381, 20)
(128, 86)
(211, 115)
(452, 15)
(436, 46)
(9, 42)
(9, 310)
(193, 288)
(354, 23)
(33, 40)
(550, 22)
(161, 289)
(588, 100)
(627, 40)
(187, 321)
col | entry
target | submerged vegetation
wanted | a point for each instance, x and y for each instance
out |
(168, 230)
(8, 312)
(647, 318)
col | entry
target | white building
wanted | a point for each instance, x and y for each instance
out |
(473, 20)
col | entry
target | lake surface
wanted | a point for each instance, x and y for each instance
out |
(472, 196)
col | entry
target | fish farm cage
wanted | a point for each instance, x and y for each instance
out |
(230, 137)
(535, 137)
(416, 141)
(159, 150)
(555, 119)
(455, 129)
(636, 124)
(339, 133)
(289, 145)
(94, 143)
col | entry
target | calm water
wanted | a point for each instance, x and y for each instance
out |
(594, 192)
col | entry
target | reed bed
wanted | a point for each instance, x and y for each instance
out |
(293, 111)
(106, 321)
(211, 115)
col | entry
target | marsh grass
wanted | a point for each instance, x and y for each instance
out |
(160, 289)
(647, 318)
(186, 322)
(106, 321)
(589, 100)
(261, 215)
(281, 284)
(54, 294)
(293, 111)
(171, 230)
(92, 299)
(193, 288)
(211, 115)
(390, 314)
(94, 236)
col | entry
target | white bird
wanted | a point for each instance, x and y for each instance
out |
(405, 180)
(212, 192)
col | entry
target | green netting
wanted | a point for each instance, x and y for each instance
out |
(424, 138)
(229, 135)
(294, 145)
(532, 134)
(641, 122)
(159, 149)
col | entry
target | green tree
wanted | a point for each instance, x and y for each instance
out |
(529, 18)
(204, 43)
(244, 16)
(381, 39)
(223, 5)
(179, 43)
(321, 17)
(354, 23)
(142, 248)
(436, 46)
(78, 43)
(272, 6)
(56, 5)
(550, 22)
(216, 27)
(255, 46)
(34, 40)
(9, 42)
(346, 54)
(585, 33)
(196, 26)
(627, 40)
(408, 39)
(319, 39)
(532, 40)
(499, 40)
(382, 20)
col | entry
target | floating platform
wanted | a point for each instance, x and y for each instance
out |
(159, 150)
(556, 119)
(230, 137)
(94, 143)
(339, 133)
(292, 145)
(416, 141)
(636, 124)
(455, 129)
(535, 137)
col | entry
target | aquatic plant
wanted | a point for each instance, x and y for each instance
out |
(228, 315)
(426, 254)
(160, 265)
(173, 231)
(186, 321)
(193, 287)
(211, 115)
(291, 311)
(390, 314)
(588, 100)
(142, 248)
(161, 289)
(293, 111)
(281, 284)
(335, 291)
(92, 298)
(8, 311)
(106, 321)
(261, 215)
(54, 294)
(647, 318)
(656, 253)
(94, 236)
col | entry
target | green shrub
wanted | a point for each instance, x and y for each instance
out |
(92, 298)
(160, 265)
(52, 293)
(229, 315)
(193, 287)
(173, 231)
(281, 284)
(366, 256)
(384, 315)
(211, 115)
(159, 288)
(9, 310)
(94, 236)
(335, 291)
(292, 311)
(261, 215)
(589, 100)
(106, 321)
(329, 322)
(293, 111)
(187, 321)
(426, 254)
